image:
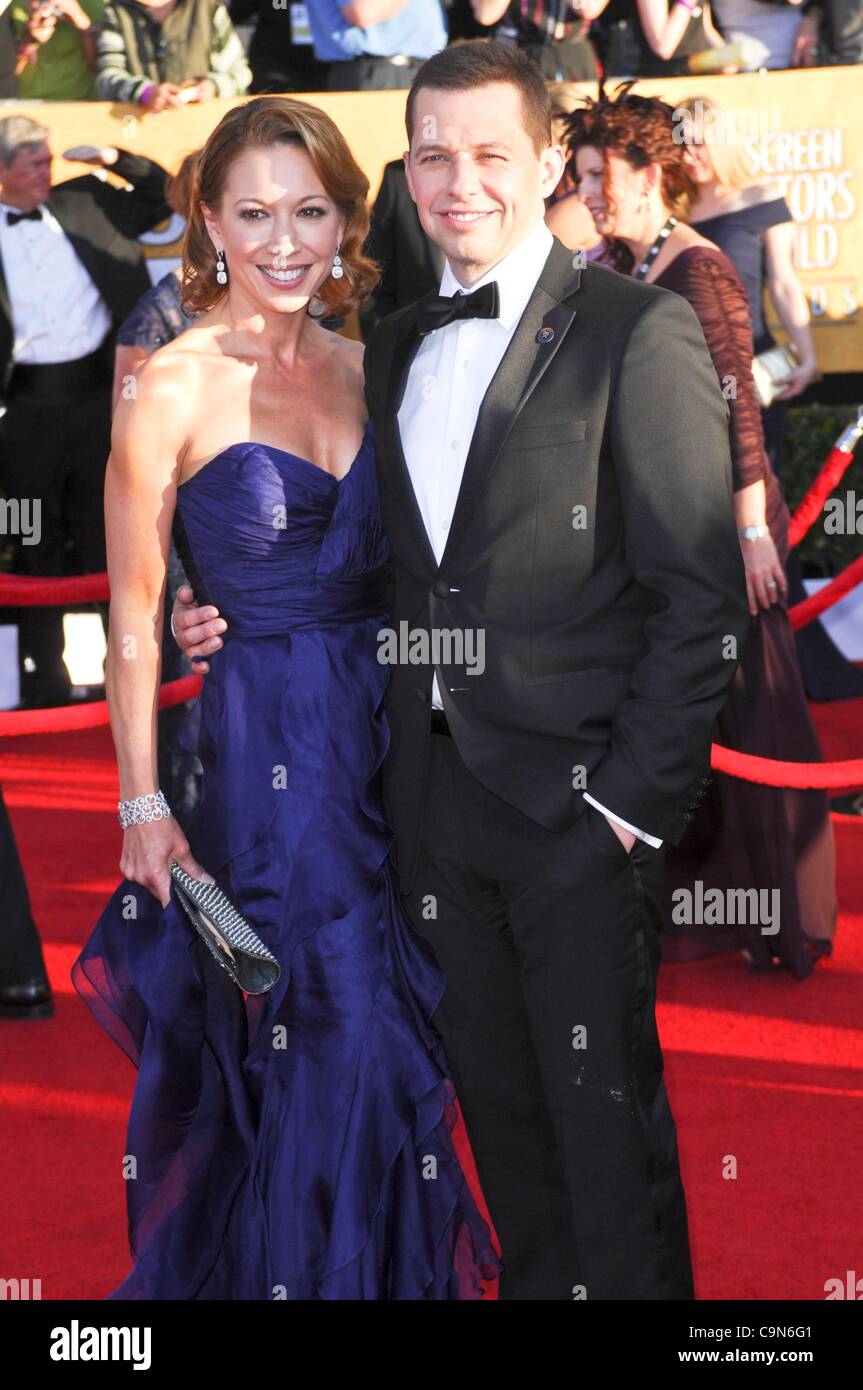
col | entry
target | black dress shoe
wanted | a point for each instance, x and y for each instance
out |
(33, 999)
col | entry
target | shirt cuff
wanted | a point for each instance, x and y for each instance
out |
(641, 834)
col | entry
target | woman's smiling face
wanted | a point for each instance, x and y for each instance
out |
(278, 226)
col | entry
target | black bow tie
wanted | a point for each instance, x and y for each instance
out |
(13, 217)
(435, 310)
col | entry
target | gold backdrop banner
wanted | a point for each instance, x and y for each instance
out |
(799, 125)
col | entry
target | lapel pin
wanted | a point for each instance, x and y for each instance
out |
(545, 335)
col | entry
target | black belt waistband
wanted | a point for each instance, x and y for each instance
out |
(56, 382)
(439, 722)
(399, 60)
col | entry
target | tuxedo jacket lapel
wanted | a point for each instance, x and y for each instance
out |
(523, 365)
(525, 362)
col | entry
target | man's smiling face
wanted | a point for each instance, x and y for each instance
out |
(477, 179)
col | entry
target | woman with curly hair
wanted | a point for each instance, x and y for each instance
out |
(281, 1142)
(634, 177)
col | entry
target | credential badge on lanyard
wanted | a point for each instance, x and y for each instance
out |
(300, 31)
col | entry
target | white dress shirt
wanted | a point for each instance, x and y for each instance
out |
(447, 381)
(58, 315)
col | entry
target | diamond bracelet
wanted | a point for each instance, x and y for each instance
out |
(142, 809)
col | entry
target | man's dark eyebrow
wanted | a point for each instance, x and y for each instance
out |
(480, 145)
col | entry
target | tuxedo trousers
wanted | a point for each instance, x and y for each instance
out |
(21, 958)
(55, 454)
(550, 946)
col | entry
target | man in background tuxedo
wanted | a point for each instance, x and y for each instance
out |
(411, 263)
(555, 479)
(71, 269)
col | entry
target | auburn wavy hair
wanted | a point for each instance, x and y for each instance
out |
(637, 129)
(274, 120)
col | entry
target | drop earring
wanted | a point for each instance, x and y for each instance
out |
(338, 269)
(221, 272)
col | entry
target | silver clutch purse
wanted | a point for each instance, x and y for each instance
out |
(228, 935)
(769, 369)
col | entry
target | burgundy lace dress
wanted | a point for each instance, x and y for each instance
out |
(747, 836)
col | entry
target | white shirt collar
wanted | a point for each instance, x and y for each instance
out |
(516, 275)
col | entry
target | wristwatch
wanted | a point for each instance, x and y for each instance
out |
(752, 533)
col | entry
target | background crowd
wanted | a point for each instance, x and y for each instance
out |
(164, 54)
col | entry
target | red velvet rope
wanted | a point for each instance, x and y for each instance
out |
(65, 718)
(811, 506)
(21, 591)
(810, 608)
(772, 772)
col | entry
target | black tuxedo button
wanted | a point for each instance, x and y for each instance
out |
(705, 781)
(440, 588)
(688, 816)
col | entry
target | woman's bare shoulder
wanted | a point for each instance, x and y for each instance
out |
(157, 405)
(167, 376)
(198, 341)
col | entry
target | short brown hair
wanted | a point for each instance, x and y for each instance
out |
(273, 120)
(639, 130)
(477, 62)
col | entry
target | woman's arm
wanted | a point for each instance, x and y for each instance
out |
(711, 33)
(717, 295)
(765, 577)
(664, 25)
(147, 441)
(127, 360)
(791, 306)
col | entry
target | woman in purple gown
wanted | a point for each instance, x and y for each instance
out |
(295, 1144)
(773, 845)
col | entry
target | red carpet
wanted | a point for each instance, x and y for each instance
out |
(765, 1074)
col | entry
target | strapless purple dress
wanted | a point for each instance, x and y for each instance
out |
(298, 1144)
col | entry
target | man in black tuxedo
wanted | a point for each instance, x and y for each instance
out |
(555, 479)
(71, 270)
